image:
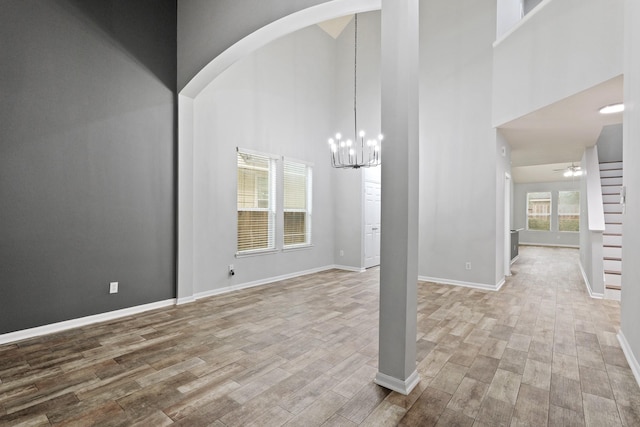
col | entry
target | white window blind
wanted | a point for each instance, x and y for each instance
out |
(256, 202)
(297, 203)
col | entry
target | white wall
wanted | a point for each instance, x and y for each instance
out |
(458, 195)
(630, 317)
(509, 13)
(277, 100)
(565, 47)
(610, 144)
(554, 237)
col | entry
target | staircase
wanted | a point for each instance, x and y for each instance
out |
(611, 182)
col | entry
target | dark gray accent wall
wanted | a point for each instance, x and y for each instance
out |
(87, 142)
(206, 28)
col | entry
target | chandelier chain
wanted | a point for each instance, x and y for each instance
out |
(355, 77)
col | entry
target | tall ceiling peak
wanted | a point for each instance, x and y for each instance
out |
(334, 27)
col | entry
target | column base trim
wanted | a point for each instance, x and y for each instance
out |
(395, 384)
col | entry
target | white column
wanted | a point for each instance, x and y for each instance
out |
(399, 228)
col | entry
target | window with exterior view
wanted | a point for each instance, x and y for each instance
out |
(539, 211)
(256, 202)
(297, 203)
(569, 211)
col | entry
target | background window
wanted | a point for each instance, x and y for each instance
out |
(256, 202)
(297, 203)
(568, 211)
(539, 211)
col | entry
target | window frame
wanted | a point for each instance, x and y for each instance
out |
(271, 209)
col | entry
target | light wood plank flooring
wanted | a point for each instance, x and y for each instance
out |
(303, 352)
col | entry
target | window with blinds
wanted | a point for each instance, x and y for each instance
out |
(539, 211)
(256, 202)
(569, 211)
(297, 203)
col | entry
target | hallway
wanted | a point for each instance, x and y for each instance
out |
(304, 352)
(539, 350)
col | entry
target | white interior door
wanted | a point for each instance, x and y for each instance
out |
(372, 224)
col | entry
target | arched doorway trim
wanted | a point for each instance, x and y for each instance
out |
(271, 32)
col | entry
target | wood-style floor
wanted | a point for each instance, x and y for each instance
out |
(304, 352)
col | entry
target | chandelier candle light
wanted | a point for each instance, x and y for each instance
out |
(361, 153)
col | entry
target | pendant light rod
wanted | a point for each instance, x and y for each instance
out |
(355, 76)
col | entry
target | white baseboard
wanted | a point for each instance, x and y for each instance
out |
(259, 282)
(82, 321)
(482, 286)
(349, 268)
(395, 384)
(185, 300)
(592, 294)
(514, 259)
(631, 359)
(111, 315)
(550, 245)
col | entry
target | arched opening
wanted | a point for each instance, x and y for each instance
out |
(188, 112)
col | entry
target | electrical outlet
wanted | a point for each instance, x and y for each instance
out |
(467, 266)
(231, 270)
(113, 287)
(341, 252)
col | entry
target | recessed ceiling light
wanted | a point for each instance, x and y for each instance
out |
(613, 108)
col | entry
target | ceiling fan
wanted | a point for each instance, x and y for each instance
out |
(570, 171)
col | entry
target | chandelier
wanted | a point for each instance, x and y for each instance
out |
(356, 153)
